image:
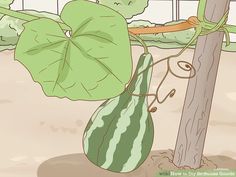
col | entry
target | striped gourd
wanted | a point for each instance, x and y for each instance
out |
(119, 135)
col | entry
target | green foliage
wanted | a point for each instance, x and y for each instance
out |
(90, 62)
(180, 37)
(5, 4)
(11, 28)
(141, 24)
(119, 135)
(177, 39)
(127, 8)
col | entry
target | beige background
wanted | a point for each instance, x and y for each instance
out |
(35, 128)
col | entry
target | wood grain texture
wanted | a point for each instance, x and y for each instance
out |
(199, 95)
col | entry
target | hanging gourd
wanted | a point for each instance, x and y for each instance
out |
(119, 136)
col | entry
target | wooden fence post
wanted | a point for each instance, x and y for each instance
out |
(175, 10)
(198, 101)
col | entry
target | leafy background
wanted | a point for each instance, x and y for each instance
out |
(127, 8)
(5, 4)
(11, 28)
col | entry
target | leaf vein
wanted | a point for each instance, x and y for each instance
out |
(39, 48)
(49, 66)
(63, 65)
(82, 26)
(95, 59)
(96, 36)
(87, 91)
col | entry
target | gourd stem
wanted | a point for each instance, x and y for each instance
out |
(139, 39)
(27, 17)
(18, 15)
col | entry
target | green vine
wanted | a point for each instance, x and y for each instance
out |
(139, 39)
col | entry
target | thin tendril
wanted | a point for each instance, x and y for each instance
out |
(140, 40)
(159, 86)
(187, 67)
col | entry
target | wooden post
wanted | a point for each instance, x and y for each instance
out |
(195, 116)
(58, 7)
(23, 5)
(175, 10)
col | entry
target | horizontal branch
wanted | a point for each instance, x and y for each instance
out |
(192, 22)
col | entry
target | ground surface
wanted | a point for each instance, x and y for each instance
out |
(75, 165)
(35, 128)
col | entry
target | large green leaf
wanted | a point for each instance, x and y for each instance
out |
(128, 8)
(90, 62)
(6, 4)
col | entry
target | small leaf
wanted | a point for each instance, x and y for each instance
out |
(127, 8)
(90, 62)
